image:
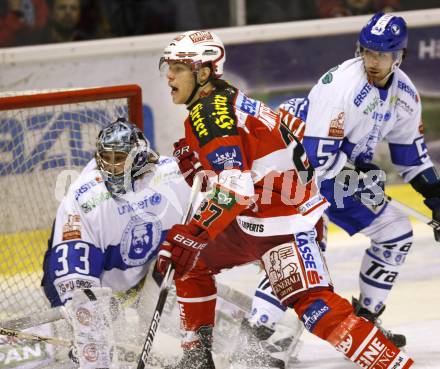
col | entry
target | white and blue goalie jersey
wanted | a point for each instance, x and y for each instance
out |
(346, 117)
(100, 240)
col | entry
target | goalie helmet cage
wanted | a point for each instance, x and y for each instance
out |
(46, 138)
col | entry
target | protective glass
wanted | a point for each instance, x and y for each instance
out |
(176, 66)
(381, 57)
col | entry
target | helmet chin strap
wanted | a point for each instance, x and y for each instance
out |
(194, 91)
(196, 88)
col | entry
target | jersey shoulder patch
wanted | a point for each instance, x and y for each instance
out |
(341, 76)
(247, 105)
(214, 116)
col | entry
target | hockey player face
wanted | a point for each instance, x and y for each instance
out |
(181, 80)
(113, 162)
(377, 66)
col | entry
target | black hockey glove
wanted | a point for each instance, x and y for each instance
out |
(427, 183)
(434, 204)
(371, 187)
(189, 164)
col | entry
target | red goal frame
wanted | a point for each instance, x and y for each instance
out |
(133, 94)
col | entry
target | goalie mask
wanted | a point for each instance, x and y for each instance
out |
(122, 153)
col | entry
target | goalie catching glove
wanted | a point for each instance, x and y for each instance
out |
(181, 248)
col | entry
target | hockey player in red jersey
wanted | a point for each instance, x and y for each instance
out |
(263, 206)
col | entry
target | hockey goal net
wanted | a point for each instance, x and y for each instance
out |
(46, 137)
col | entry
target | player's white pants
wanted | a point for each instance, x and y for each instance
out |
(266, 308)
(391, 238)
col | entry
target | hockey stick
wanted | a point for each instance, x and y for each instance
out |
(165, 286)
(33, 320)
(50, 340)
(35, 337)
(47, 316)
(398, 205)
(412, 212)
(233, 296)
(284, 344)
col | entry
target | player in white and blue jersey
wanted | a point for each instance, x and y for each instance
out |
(115, 215)
(107, 232)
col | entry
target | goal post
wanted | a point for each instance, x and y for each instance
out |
(33, 99)
(46, 138)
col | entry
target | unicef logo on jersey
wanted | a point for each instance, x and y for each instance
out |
(140, 239)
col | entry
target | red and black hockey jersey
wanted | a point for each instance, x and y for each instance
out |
(229, 130)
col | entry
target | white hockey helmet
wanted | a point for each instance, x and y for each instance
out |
(197, 49)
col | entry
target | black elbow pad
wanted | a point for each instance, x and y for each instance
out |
(427, 183)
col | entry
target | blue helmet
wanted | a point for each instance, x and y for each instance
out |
(385, 33)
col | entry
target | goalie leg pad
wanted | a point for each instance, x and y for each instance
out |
(196, 296)
(91, 319)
